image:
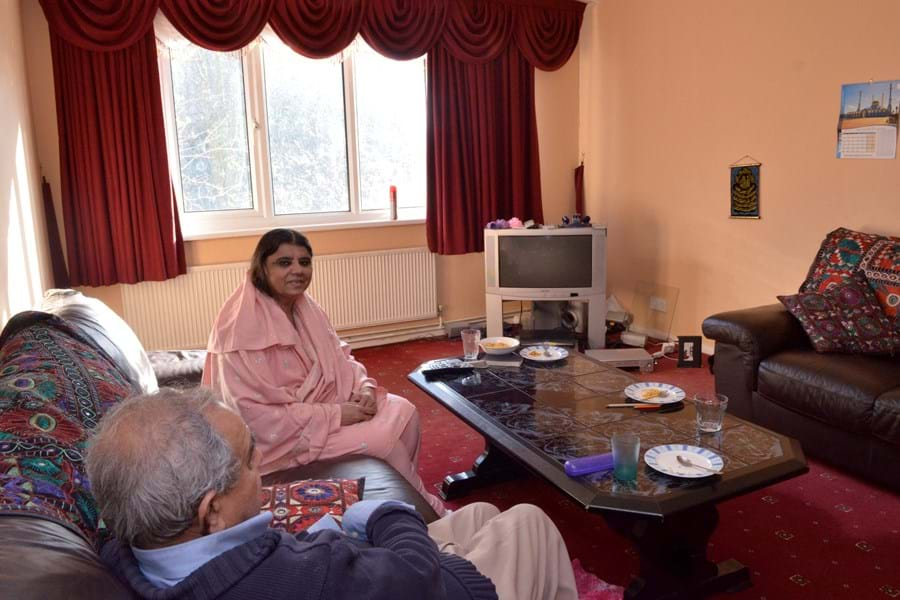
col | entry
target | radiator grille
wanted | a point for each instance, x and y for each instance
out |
(356, 290)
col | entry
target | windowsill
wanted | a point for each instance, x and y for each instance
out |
(232, 233)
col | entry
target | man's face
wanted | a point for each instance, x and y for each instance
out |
(242, 501)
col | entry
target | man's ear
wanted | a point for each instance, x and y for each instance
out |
(208, 513)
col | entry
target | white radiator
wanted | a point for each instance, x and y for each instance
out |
(356, 290)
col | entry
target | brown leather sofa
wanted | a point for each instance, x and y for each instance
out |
(43, 559)
(844, 409)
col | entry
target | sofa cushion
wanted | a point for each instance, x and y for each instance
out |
(178, 368)
(54, 387)
(844, 318)
(881, 264)
(837, 389)
(383, 482)
(840, 255)
(299, 504)
(886, 417)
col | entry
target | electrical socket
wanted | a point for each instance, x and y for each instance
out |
(658, 304)
(667, 347)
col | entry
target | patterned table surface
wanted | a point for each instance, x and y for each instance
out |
(542, 414)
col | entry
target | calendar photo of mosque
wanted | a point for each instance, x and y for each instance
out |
(867, 126)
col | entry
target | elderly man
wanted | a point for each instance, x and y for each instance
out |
(176, 478)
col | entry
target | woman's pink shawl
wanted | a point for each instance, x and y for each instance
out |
(286, 382)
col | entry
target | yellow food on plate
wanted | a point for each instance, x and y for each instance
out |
(535, 353)
(650, 393)
(495, 345)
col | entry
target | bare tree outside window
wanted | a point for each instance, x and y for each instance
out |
(390, 114)
(211, 129)
(307, 137)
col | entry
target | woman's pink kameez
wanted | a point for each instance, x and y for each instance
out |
(288, 383)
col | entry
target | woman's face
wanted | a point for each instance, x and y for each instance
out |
(289, 272)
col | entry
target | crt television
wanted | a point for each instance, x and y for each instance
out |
(545, 264)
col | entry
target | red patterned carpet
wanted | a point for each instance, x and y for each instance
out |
(823, 535)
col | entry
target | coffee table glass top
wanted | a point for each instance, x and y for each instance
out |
(546, 413)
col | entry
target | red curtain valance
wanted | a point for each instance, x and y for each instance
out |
(473, 31)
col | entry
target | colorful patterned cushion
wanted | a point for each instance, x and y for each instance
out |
(838, 258)
(881, 264)
(844, 318)
(54, 387)
(298, 505)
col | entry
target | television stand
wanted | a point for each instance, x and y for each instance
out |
(596, 318)
(558, 337)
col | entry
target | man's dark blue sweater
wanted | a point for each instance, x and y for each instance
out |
(401, 562)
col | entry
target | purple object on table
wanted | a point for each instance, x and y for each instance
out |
(589, 464)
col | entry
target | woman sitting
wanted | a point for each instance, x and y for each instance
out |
(274, 356)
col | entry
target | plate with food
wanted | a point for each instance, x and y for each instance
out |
(544, 353)
(499, 345)
(654, 393)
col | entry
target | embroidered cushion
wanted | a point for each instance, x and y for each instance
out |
(844, 318)
(881, 264)
(55, 385)
(839, 256)
(299, 504)
(845, 252)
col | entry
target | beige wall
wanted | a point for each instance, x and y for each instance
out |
(460, 278)
(673, 92)
(24, 270)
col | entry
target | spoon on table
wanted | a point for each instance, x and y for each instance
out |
(689, 463)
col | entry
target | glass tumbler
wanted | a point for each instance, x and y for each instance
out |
(710, 411)
(626, 448)
(470, 339)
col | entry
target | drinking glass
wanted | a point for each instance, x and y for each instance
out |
(710, 411)
(470, 339)
(626, 448)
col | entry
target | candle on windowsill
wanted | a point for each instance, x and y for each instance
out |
(393, 203)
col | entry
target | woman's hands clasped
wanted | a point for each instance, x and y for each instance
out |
(361, 407)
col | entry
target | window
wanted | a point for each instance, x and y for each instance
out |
(267, 138)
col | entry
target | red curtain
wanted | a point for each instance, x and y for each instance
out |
(483, 159)
(222, 25)
(119, 212)
(482, 134)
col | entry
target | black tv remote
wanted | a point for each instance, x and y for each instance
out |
(446, 372)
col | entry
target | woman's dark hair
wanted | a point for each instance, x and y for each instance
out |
(266, 247)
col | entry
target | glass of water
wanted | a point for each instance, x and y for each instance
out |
(710, 411)
(470, 339)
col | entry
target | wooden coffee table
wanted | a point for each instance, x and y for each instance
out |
(539, 415)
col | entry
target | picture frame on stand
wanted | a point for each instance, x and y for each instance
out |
(690, 351)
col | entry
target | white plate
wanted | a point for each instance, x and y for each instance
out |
(665, 460)
(544, 353)
(672, 393)
(508, 345)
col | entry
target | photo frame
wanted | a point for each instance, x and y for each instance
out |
(690, 351)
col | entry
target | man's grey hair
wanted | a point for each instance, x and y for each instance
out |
(151, 461)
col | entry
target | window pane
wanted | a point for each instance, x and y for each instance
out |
(307, 141)
(390, 111)
(212, 129)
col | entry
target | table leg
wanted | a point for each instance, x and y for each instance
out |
(673, 555)
(493, 466)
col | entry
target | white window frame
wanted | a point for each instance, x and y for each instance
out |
(262, 217)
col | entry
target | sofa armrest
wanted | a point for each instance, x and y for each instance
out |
(743, 339)
(759, 331)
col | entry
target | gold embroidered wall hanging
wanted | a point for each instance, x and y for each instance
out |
(745, 188)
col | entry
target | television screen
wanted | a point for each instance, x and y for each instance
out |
(545, 261)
